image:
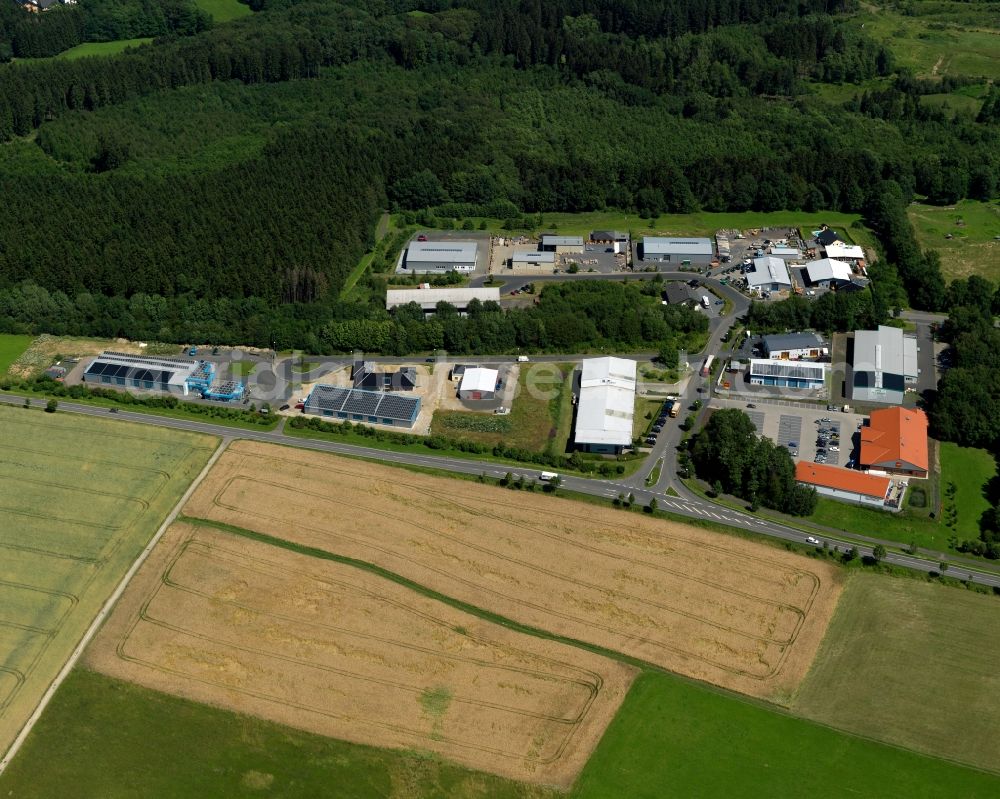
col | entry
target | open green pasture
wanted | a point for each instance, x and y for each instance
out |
(79, 498)
(973, 248)
(906, 527)
(914, 664)
(224, 10)
(97, 48)
(938, 38)
(11, 348)
(969, 470)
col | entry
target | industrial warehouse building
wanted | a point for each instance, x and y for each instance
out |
(894, 441)
(845, 485)
(768, 274)
(169, 375)
(608, 237)
(439, 257)
(428, 298)
(787, 374)
(532, 261)
(884, 362)
(561, 244)
(793, 346)
(360, 405)
(479, 383)
(828, 272)
(677, 251)
(365, 374)
(606, 405)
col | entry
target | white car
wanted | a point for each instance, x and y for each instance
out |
(834, 448)
(811, 540)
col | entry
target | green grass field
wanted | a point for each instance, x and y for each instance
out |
(914, 664)
(974, 226)
(970, 470)
(904, 527)
(95, 49)
(537, 421)
(11, 348)
(223, 10)
(673, 738)
(938, 38)
(79, 498)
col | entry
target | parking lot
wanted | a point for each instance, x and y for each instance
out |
(798, 427)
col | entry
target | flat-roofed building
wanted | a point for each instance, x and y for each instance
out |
(787, 374)
(848, 252)
(844, 485)
(533, 261)
(440, 257)
(608, 237)
(884, 362)
(428, 299)
(828, 272)
(678, 251)
(786, 252)
(360, 405)
(793, 346)
(561, 244)
(895, 442)
(768, 274)
(606, 405)
(169, 375)
(479, 383)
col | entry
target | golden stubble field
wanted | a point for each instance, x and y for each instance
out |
(336, 650)
(728, 611)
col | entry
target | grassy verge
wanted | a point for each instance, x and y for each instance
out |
(654, 474)
(937, 649)
(11, 348)
(675, 739)
(646, 411)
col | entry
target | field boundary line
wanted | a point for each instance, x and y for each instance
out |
(107, 608)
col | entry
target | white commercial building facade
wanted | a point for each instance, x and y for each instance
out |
(768, 274)
(439, 257)
(884, 362)
(606, 406)
(478, 383)
(428, 299)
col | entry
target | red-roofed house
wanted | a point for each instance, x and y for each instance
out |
(895, 442)
(846, 485)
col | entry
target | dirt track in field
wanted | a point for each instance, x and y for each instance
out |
(336, 650)
(731, 612)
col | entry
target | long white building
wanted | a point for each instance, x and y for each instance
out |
(606, 406)
(429, 298)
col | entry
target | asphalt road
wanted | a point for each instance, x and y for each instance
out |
(686, 505)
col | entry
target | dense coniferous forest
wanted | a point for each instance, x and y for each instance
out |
(220, 185)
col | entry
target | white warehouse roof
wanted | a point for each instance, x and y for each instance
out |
(429, 298)
(828, 269)
(454, 252)
(669, 246)
(607, 402)
(781, 251)
(840, 250)
(479, 379)
(551, 240)
(768, 270)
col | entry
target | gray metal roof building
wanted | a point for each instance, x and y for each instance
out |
(658, 248)
(768, 274)
(428, 299)
(787, 374)
(884, 362)
(553, 243)
(173, 375)
(441, 256)
(359, 405)
(793, 345)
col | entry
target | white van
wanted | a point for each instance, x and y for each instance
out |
(522, 358)
(547, 476)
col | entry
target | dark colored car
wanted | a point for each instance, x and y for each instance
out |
(283, 408)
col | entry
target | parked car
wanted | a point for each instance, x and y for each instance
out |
(834, 448)
(751, 405)
(300, 406)
(283, 408)
(422, 237)
(657, 429)
(792, 444)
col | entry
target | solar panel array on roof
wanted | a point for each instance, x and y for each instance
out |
(348, 402)
(116, 371)
(144, 360)
(805, 371)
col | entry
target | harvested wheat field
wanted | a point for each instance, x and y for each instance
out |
(731, 612)
(339, 651)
